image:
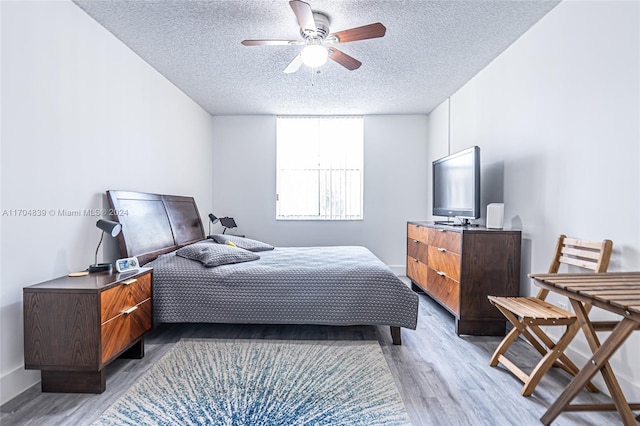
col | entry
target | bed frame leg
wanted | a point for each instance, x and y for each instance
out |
(395, 335)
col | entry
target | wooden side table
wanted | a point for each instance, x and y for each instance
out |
(616, 292)
(75, 326)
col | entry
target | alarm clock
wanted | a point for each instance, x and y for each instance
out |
(127, 264)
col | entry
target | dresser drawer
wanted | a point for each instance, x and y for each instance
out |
(125, 328)
(123, 296)
(417, 250)
(444, 289)
(419, 233)
(445, 261)
(417, 271)
(448, 240)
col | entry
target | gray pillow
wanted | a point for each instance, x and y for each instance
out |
(245, 243)
(211, 255)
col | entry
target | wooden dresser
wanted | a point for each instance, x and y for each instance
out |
(460, 266)
(74, 327)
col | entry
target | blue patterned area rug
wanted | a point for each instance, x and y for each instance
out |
(263, 382)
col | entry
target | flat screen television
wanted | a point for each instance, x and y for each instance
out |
(456, 186)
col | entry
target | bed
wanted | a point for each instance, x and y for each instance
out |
(342, 285)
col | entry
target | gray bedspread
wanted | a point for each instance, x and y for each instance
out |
(342, 285)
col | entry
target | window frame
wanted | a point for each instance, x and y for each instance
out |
(326, 172)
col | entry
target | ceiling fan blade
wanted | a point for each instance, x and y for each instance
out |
(343, 59)
(270, 42)
(360, 33)
(293, 65)
(304, 14)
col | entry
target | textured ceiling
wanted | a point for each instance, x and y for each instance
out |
(430, 50)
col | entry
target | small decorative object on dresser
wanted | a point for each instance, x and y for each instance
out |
(74, 327)
(127, 265)
(495, 215)
(459, 266)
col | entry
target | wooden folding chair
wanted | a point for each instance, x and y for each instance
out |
(528, 314)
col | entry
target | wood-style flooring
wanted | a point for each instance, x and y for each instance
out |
(444, 379)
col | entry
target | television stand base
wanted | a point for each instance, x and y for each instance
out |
(463, 222)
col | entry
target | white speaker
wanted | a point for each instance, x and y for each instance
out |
(495, 215)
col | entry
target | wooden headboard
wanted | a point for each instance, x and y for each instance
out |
(154, 224)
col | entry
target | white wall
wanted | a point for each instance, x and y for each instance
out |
(395, 185)
(81, 114)
(437, 146)
(557, 117)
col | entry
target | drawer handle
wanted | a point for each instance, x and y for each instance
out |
(441, 250)
(415, 241)
(129, 281)
(442, 274)
(130, 310)
(415, 260)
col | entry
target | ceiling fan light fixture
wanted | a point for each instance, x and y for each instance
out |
(314, 55)
(314, 30)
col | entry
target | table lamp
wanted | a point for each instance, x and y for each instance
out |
(212, 220)
(113, 228)
(227, 222)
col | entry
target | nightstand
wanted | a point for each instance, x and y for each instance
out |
(75, 326)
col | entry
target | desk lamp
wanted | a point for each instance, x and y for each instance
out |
(113, 228)
(212, 220)
(227, 222)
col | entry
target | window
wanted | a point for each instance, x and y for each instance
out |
(319, 168)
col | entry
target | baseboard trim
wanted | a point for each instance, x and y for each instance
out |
(400, 270)
(15, 382)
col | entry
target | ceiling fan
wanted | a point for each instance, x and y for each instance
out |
(318, 42)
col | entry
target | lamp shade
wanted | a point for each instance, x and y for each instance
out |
(212, 218)
(314, 55)
(110, 227)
